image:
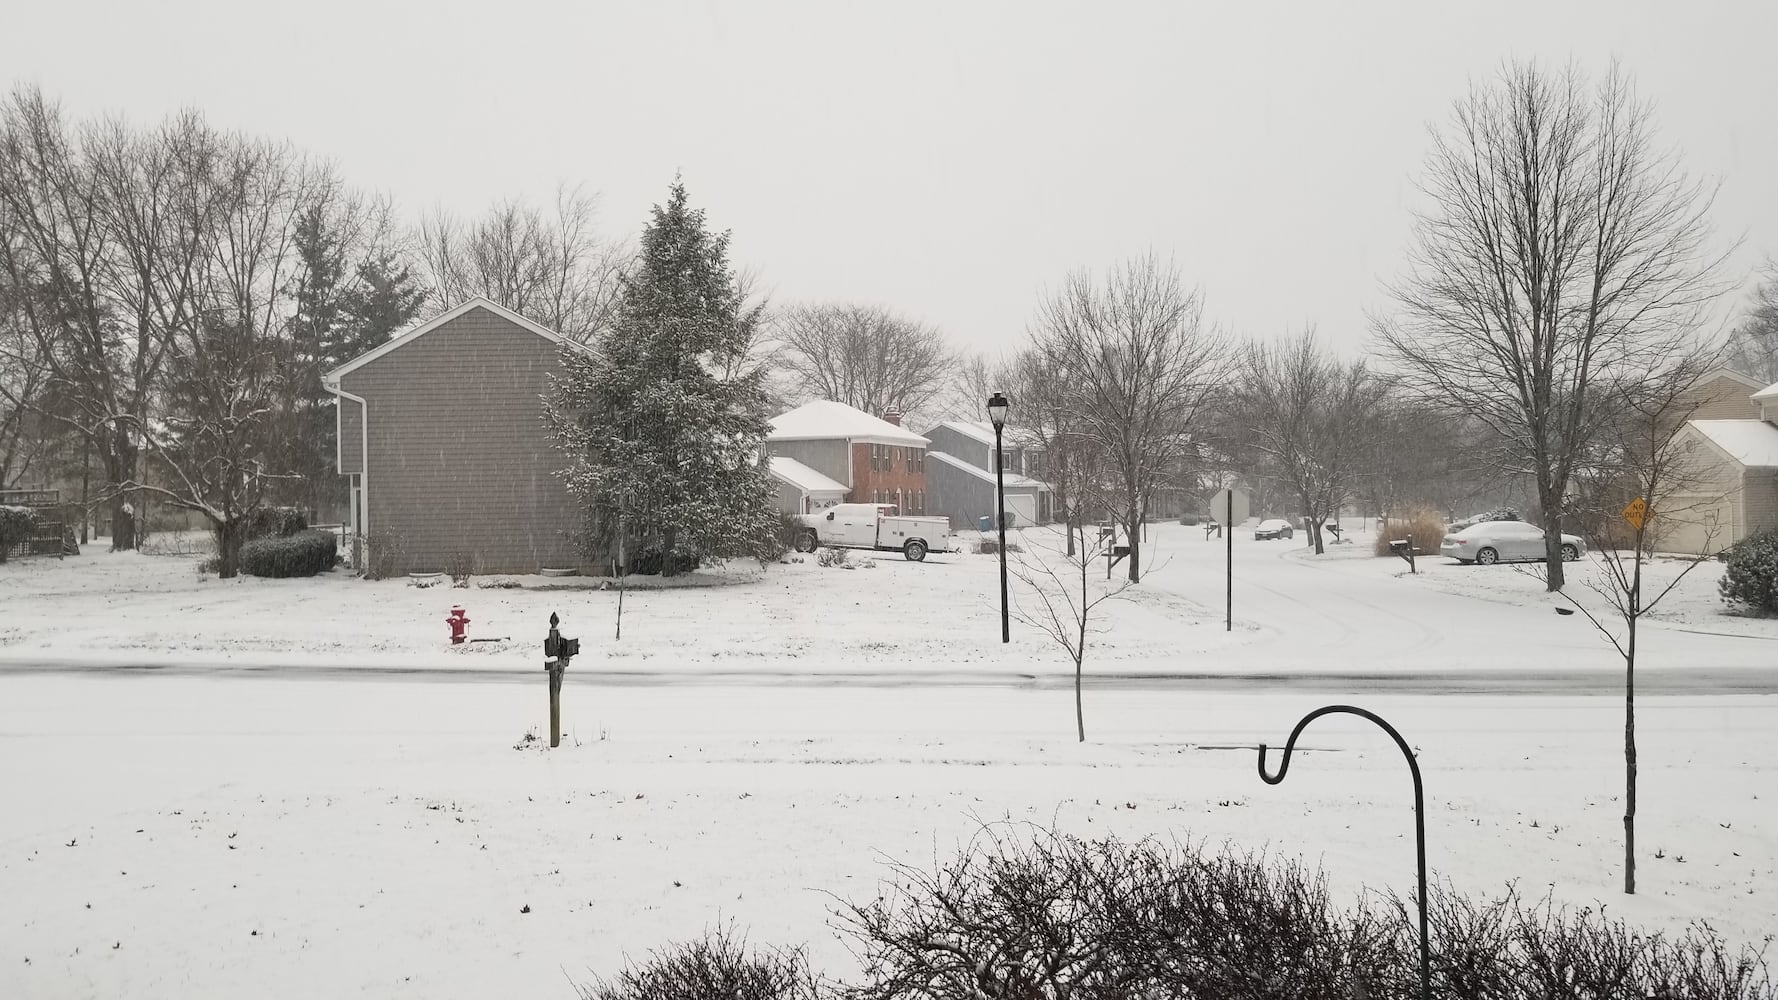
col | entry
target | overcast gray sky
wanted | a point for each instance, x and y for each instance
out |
(948, 159)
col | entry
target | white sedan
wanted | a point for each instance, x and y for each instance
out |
(1505, 541)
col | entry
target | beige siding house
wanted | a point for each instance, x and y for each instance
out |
(441, 436)
(1728, 464)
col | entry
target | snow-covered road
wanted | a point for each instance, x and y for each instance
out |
(198, 837)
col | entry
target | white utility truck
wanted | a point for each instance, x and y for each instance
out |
(874, 526)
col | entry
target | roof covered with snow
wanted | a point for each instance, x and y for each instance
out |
(1750, 442)
(825, 419)
(802, 477)
(1013, 479)
(984, 432)
(1769, 392)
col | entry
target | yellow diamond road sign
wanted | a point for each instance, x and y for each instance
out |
(1636, 512)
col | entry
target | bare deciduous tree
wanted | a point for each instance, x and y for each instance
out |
(1754, 349)
(1060, 600)
(1068, 460)
(1137, 365)
(1310, 418)
(866, 357)
(555, 270)
(1562, 248)
(1643, 457)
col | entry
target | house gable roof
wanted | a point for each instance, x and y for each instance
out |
(975, 430)
(824, 419)
(1752, 443)
(434, 323)
(1013, 480)
(802, 477)
(1768, 393)
(1730, 373)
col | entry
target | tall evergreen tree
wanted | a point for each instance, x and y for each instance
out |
(341, 310)
(661, 419)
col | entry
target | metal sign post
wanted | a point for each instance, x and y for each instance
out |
(557, 652)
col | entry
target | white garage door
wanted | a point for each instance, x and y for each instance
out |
(1023, 507)
(1696, 524)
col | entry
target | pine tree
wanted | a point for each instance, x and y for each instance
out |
(342, 311)
(663, 417)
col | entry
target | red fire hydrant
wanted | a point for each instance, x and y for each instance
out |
(459, 623)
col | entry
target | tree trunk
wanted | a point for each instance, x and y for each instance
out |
(1080, 719)
(668, 537)
(1635, 597)
(1552, 548)
(1133, 532)
(1630, 763)
(1315, 537)
(228, 548)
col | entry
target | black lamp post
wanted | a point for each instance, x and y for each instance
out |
(997, 406)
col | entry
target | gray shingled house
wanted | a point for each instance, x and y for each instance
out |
(960, 475)
(441, 435)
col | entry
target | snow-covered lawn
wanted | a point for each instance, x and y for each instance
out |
(297, 826)
(226, 837)
(1695, 603)
(887, 614)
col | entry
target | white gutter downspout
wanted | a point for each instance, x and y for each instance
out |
(363, 511)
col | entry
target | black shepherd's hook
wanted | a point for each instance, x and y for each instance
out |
(1419, 808)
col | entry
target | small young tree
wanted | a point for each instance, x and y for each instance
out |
(658, 419)
(1644, 456)
(1059, 594)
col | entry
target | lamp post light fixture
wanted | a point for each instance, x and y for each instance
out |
(997, 407)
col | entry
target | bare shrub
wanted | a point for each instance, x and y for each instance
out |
(460, 566)
(1046, 916)
(1511, 948)
(1423, 527)
(720, 966)
(832, 557)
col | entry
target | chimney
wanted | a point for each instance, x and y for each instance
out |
(893, 416)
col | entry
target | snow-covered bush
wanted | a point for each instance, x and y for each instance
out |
(652, 561)
(275, 522)
(1425, 528)
(990, 545)
(721, 966)
(15, 527)
(832, 557)
(303, 554)
(1750, 580)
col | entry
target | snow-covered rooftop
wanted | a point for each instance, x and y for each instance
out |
(1013, 479)
(1769, 392)
(984, 432)
(827, 419)
(1750, 442)
(802, 477)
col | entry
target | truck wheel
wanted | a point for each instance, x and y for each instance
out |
(915, 550)
(807, 542)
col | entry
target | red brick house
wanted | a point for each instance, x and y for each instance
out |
(441, 436)
(876, 459)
